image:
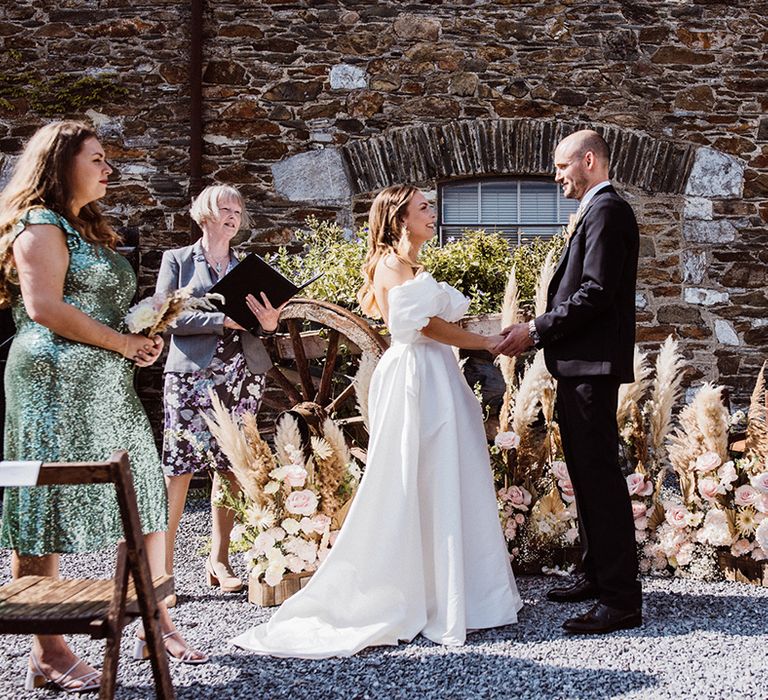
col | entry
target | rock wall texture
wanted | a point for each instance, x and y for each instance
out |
(310, 106)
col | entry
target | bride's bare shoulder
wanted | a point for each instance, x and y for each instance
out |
(391, 270)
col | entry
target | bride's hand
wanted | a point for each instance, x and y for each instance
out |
(491, 341)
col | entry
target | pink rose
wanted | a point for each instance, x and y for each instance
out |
(760, 482)
(507, 440)
(566, 487)
(709, 488)
(517, 496)
(295, 476)
(321, 523)
(519, 518)
(638, 486)
(560, 470)
(745, 496)
(761, 504)
(676, 515)
(638, 509)
(741, 547)
(708, 461)
(301, 502)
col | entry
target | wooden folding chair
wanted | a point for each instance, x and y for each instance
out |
(98, 607)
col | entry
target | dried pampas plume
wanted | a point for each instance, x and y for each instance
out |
(510, 314)
(249, 455)
(330, 471)
(757, 431)
(362, 384)
(287, 435)
(542, 285)
(632, 394)
(665, 392)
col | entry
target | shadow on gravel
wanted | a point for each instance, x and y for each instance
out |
(404, 674)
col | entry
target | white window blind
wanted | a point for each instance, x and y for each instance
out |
(519, 209)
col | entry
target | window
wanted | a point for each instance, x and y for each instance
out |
(515, 208)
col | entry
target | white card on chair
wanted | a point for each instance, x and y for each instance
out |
(19, 473)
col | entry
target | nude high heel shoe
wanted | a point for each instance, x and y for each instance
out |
(86, 683)
(229, 583)
(141, 651)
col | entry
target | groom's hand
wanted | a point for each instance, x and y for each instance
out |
(516, 341)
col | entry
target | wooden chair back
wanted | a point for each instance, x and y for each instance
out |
(100, 608)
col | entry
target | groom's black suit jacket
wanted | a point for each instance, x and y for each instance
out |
(589, 327)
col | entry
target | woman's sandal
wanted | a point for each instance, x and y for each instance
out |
(141, 651)
(229, 583)
(86, 683)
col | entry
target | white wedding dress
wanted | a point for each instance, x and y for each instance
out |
(421, 550)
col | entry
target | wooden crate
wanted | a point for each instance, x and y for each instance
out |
(743, 569)
(260, 593)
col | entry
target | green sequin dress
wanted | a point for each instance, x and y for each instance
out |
(67, 401)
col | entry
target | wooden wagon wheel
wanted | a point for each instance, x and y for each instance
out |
(316, 353)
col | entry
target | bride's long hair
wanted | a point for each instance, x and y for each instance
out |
(386, 235)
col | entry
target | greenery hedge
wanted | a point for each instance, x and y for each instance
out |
(477, 264)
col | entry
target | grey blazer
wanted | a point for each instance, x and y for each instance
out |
(195, 335)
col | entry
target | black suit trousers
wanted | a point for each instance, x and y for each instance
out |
(586, 410)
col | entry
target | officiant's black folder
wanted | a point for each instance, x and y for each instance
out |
(253, 276)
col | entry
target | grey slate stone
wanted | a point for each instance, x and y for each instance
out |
(315, 176)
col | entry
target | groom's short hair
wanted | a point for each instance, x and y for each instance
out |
(592, 141)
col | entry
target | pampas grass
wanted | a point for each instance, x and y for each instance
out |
(287, 438)
(331, 467)
(757, 431)
(542, 284)
(631, 394)
(248, 454)
(664, 394)
(702, 427)
(510, 314)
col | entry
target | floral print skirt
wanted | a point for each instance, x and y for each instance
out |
(188, 445)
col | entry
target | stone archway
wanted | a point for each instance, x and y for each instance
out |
(456, 149)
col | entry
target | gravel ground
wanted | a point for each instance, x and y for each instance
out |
(700, 640)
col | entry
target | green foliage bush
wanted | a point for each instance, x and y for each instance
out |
(477, 264)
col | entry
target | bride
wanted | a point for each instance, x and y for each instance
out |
(421, 550)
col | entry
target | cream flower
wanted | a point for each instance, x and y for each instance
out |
(272, 487)
(261, 518)
(274, 574)
(321, 447)
(708, 462)
(263, 543)
(727, 475)
(277, 532)
(141, 317)
(746, 522)
(761, 535)
(295, 564)
(290, 525)
(716, 529)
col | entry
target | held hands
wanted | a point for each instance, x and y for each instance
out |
(265, 313)
(515, 340)
(491, 341)
(142, 350)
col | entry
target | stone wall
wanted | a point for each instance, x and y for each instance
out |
(308, 106)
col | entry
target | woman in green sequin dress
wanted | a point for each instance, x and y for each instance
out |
(69, 375)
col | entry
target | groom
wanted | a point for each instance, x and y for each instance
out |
(588, 336)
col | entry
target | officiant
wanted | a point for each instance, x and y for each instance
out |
(208, 351)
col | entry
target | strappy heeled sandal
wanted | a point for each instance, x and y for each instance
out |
(86, 683)
(229, 583)
(141, 651)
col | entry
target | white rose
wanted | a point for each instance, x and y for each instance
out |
(708, 461)
(274, 574)
(727, 475)
(290, 526)
(272, 487)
